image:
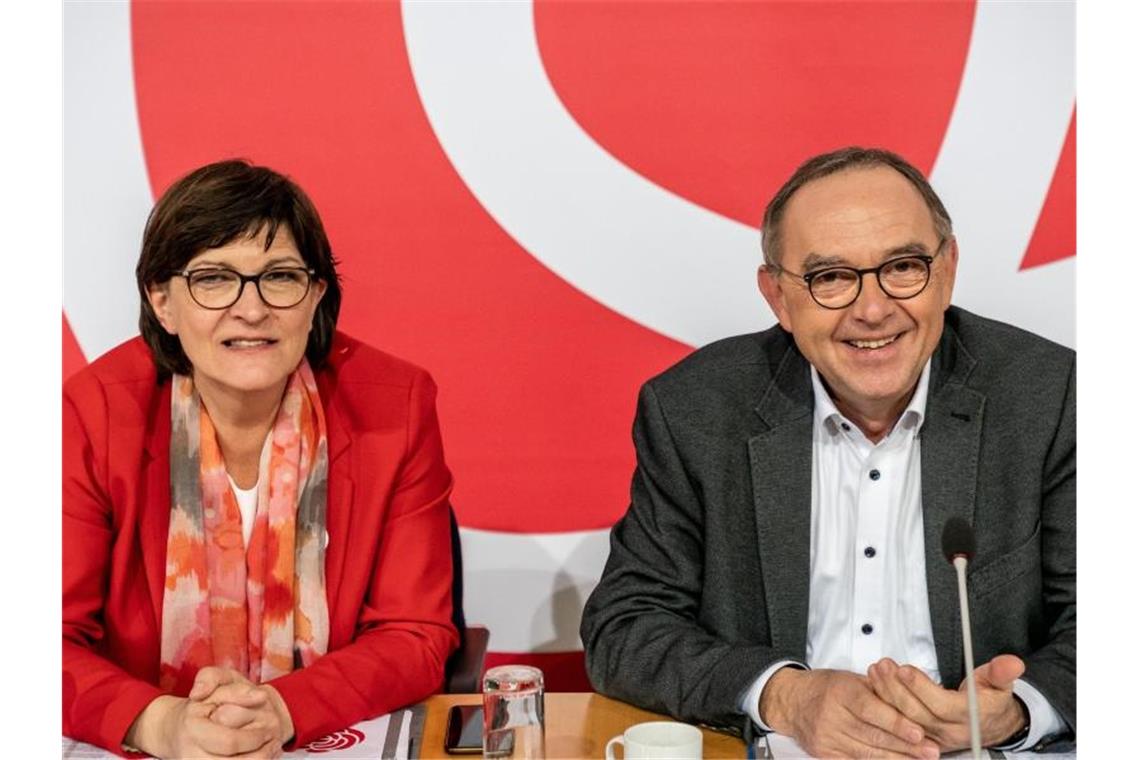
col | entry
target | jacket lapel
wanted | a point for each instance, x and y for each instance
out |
(154, 505)
(340, 487)
(951, 437)
(780, 460)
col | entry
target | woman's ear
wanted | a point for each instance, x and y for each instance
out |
(158, 293)
(320, 286)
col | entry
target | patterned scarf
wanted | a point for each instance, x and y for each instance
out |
(260, 610)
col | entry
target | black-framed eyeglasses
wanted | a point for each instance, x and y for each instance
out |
(219, 288)
(901, 277)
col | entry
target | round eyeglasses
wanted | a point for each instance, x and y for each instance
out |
(218, 288)
(900, 278)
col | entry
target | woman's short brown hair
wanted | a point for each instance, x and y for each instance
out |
(215, 205)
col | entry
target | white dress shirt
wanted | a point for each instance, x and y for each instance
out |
(867, 597)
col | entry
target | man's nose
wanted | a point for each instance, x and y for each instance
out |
(873, 304)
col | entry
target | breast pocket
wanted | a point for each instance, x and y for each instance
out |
(1009, 567)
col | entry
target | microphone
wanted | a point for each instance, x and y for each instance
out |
(958, 546)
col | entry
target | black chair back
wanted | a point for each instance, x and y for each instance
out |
(463, 672)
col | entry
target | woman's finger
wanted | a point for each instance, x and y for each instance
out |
(210, 678)
(241, 694)
(235, 716)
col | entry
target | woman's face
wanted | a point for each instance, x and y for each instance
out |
(250, 346)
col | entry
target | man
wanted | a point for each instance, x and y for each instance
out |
(779, 567)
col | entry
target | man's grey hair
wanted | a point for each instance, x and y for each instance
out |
(852, 157)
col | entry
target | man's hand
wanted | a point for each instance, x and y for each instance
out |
(944, 714)
(239, 703)
(833, 713)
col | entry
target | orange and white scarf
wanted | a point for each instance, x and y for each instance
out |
(261, 610)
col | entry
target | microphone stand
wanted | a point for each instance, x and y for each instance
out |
(968, 646)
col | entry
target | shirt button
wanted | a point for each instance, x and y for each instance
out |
(869, 552)
(875, 474)
(845, 426)
(867, 628)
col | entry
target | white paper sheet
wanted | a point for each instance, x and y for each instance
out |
(387, 738)
(781, 747)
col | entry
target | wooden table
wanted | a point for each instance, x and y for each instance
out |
(577, 726)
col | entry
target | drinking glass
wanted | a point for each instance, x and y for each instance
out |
(513, 712)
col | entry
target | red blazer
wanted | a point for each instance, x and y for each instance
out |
(387, 566)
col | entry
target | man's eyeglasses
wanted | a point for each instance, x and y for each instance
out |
(900, 278)
(217, 288)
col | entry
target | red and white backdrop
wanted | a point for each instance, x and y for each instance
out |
(546, 203)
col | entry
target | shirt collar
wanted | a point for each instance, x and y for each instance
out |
(828, 417)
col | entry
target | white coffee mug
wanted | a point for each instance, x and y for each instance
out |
(657, 741)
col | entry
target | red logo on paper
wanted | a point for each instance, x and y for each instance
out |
(339, 740)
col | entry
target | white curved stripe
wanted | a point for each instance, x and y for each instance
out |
(106, 193)
(641, 250)
(529, 589)
(663, 261)
(998, 158)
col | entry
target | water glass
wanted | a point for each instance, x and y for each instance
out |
(513, 712)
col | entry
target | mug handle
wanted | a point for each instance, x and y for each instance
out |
(610, 747)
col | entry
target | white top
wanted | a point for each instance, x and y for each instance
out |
(867, 597)
(868, 558)
(247, 504)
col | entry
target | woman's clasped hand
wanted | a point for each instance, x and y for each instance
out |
(225, 715)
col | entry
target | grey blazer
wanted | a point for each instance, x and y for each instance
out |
(707, 580)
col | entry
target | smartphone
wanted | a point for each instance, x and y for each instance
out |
(464, 735)
(464, 730)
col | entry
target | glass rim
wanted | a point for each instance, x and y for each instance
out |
(510, 677)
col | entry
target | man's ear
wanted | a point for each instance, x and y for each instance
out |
(773, 292)
(950, 271)
(158, 293)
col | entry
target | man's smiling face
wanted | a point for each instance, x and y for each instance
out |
(872, 352)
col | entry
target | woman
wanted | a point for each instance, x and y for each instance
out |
(255, 507)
